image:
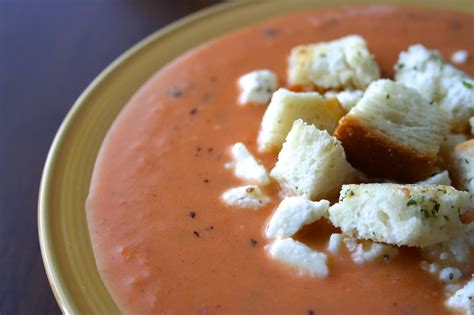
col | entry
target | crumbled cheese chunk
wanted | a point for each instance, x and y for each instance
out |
(347, 98)
(463, 299)
(471, 122)
(335, 241)
(311, 162)
(438, 179)
(257, 87)
(246, 167)
(366, 251)
(304, 260)
(432, 268)
(287, 106)
(426, 71)
(459, 56)
(453, 251)
(341, 63)
(245, 197)
(450, 274)
(292, 214)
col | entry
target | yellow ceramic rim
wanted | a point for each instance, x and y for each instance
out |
(255, 11)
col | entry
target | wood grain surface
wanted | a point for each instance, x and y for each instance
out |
(50, 50)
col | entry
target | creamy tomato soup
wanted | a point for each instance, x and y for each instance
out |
(163, 240)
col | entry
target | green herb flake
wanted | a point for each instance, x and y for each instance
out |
(411, 202)
(468, 85)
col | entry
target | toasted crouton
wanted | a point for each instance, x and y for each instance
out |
(338, 64)
(286, 106)
(393, 132)
(411, 215)
(462, 165)
(256, 87)
(311, 162)
(439, 82)
(292, 214)
(304, 260)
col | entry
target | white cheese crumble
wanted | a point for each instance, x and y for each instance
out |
(432, 268)
(292, 214)
(246, 166)
(257, 87)
(439, 82)
(438, 179)
(249, 196)
(304, 260)
(366, 251)
(450, 274)
(459, 56)
(347, 98)
(335, 241)
(471, 122)
(463, 299)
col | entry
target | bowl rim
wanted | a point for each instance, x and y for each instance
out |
(43, 213)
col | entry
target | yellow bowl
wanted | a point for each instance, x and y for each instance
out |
(63, 233)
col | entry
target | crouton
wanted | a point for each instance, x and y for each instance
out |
(462, 165)
(347, 98)
(411, 215)
(311, 162)
(304, 260)
(338, 64)
(250, 197)
(257, 87)
(439, 82)
(437, 179)
(286, 106)
(246, 167)
(463, 299)
(393, 132)
(292, 214)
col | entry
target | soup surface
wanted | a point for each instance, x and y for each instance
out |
(163, 241)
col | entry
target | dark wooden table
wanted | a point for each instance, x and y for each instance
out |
(50, 50)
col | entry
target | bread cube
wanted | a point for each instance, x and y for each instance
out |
(304, 260)
(338, 64)
(292, 214)
(411, 215)
(462, 166)
(311, 163)
(439, 82)
(286, 106)
(257, 87)
(393, 132)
